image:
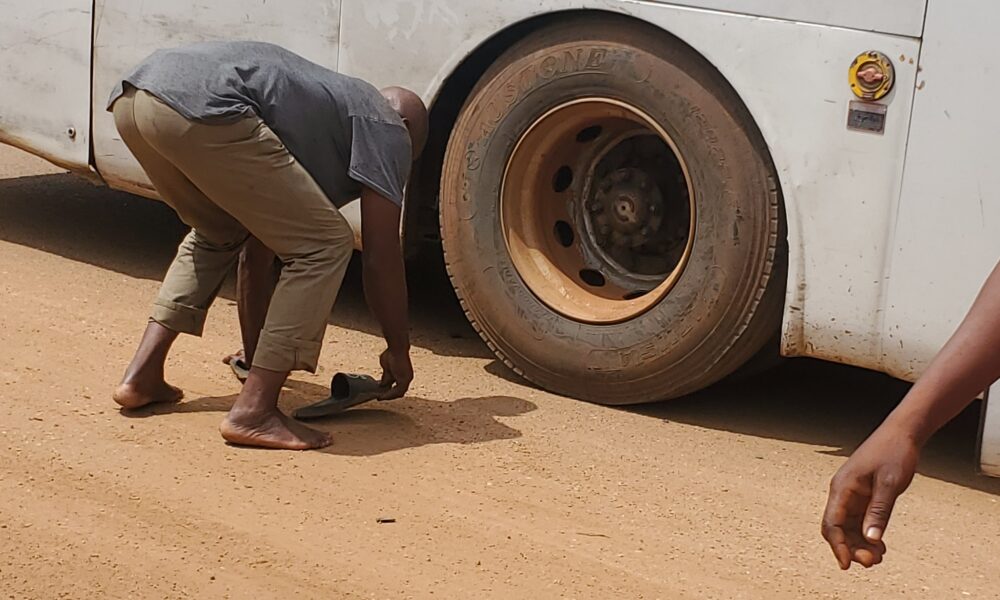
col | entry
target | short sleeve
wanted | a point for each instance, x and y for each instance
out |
(380, 156)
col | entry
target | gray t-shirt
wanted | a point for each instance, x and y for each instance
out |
(341, 129)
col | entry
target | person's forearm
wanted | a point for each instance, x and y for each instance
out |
(385, 290)
(256, 277)
(967, 365)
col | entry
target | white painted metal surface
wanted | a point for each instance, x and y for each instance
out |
(127, 32)
(840, 186)
(45, 78)
(946, 240)
(900, 17)
(989, 441)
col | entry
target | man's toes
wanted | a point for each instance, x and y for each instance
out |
(174, 394)
(312, 438)
(323, 440)
(271, 432)
(315, 437)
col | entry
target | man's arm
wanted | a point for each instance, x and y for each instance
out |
(864, 490)
(385, 288)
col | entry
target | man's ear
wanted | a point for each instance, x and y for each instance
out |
(406, 122)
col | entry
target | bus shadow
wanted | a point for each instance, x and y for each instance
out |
(70, 217)
(823, 404)
(67, 216)
(803, 401)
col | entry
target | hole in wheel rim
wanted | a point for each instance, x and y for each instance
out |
(563, 179)
(592, 278)
(552, 178)
(589, 134)
(564, 233)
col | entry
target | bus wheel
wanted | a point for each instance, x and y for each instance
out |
(610, 215)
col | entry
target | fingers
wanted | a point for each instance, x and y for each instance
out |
(846, 519)
(838, 543)
(397, 374)
(834, 519)
(869, 556)
(849, 547)
(884, 494)
(395, 392)
(388, 378)
(398, 389)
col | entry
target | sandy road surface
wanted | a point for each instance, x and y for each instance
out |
(498, 490)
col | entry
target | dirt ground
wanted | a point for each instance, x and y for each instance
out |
(497, 489)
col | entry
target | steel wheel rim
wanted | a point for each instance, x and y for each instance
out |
(597, 210)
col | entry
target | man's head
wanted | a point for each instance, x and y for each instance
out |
(414, 113)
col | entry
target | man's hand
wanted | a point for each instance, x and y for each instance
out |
(863, 493)
(397, 374)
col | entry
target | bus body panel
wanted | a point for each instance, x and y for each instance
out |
(946, 240)
(126, 32)
(45, 74)
(840, 187)
(900, 17)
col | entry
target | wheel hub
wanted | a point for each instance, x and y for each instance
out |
(627, 209)
(596, 210)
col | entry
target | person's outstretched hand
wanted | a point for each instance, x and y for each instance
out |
(397, 374)
(863, 493)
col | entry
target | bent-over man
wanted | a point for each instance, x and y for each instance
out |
(248, 140)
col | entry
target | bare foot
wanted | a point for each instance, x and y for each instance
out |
(271, 430)
(238, 355)
(134, 395)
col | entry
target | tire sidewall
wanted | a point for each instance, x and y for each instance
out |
(692, 327)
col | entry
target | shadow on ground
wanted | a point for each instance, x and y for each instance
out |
(377, 428)
(68, 216)
(803, 401)
(818, 403)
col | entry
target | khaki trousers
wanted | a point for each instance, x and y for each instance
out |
(228, 181)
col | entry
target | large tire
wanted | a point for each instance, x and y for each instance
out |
(725, 303)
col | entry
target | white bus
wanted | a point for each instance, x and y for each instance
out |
(634, 198)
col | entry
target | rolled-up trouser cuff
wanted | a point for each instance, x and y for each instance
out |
(279, 353)
(178, 317)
